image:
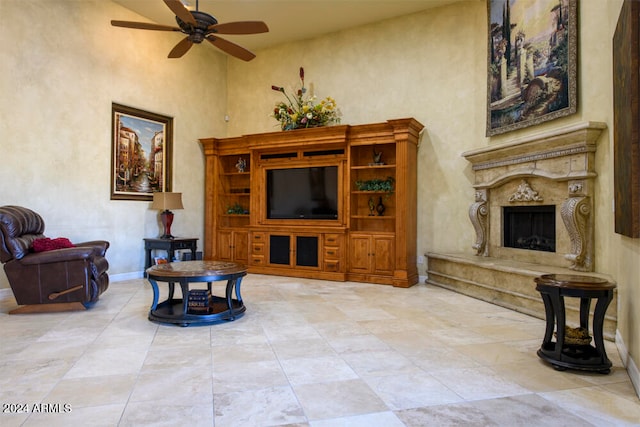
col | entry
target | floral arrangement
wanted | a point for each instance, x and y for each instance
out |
(302, 112)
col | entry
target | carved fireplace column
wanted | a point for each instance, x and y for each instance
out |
(577, 215)
(479, 215)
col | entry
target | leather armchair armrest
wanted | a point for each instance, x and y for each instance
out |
(100, 246)
(58, 255)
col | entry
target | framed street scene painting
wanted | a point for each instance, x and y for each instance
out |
(532, 60)
(141, 149)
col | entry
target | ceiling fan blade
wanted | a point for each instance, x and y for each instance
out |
(231, 48)
(181, 48)
(143, 26)
(180, 11)
(241, 27)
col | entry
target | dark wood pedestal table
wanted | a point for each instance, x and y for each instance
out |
(177, 311)
(571, 352)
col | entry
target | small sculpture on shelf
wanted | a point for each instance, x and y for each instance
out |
(241, 165)
(372, 207)
(377, 158)
(380, 208)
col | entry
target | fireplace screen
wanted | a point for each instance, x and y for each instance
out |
(530, 227)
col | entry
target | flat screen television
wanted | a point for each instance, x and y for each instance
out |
(303, 193)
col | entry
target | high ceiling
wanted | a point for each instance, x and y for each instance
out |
(287, 20)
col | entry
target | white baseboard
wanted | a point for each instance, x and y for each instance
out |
(121, 277)
(632, 368)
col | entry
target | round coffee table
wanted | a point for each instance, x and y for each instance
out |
(197, 306)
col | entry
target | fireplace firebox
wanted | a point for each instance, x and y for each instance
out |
(530, 227)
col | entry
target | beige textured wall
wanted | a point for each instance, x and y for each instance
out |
(428, 65)
(432, 66)
(62, 64)
(65, 64)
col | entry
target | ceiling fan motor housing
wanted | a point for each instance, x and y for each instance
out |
(199, 32)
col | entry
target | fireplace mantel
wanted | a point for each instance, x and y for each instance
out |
(525, 156)
(558, 167)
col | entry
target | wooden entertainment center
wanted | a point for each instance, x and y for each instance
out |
(339, 231)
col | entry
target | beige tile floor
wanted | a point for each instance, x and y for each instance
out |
(307, 353)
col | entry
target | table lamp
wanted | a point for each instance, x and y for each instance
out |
(164, 202)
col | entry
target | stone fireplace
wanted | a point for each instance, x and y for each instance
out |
(553, 171)
(533, 214)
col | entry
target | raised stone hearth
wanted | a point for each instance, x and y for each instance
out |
(506, 283)
(551, 172)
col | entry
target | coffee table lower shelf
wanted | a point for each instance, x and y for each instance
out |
(172, 311)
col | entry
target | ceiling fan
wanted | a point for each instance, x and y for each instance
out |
(199, 26)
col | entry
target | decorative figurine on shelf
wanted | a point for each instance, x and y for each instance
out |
(377, 158)
(241, 165)
(380, 208)
(372, 207)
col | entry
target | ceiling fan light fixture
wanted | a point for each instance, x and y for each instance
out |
(203, 22)
(199, 26)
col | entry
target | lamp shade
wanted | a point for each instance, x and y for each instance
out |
(167, 201)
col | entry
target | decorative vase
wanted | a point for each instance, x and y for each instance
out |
(380, 208)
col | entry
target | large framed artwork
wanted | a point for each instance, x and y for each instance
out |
(532, 60)
(141, 151)
(626, 120)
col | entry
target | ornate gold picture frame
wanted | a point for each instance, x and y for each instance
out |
(532, 60)
(141, 153)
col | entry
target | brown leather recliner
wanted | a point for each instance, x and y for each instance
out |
(54, 280)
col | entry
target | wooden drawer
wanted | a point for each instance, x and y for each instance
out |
(258, 237)
(332, 239)
(257, 260)
(331, 253)
(331, 265)
(257, 249)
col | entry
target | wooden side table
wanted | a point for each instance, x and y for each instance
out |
(567, 352)
(169, 245)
